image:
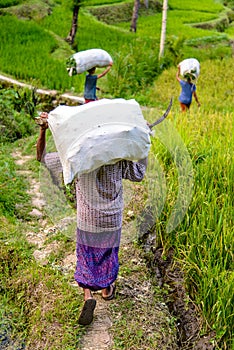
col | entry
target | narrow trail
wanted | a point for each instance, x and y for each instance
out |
(97, 336)
(100, 334)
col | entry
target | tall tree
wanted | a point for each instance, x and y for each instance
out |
(164, 27)
(76, 8)
(135, 12)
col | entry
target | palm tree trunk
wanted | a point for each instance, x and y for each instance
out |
(71, 36)
(135, 11)
(163, 31)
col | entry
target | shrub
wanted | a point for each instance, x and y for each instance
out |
(16, 111)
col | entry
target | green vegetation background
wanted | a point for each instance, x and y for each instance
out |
(39, 41)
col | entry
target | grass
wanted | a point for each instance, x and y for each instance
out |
(34, 46)
(11, 183)
(203, 240)
(47, 304)
(204, 6)
(39, 42)
(36, 301)
(177, 23)
(39, 306)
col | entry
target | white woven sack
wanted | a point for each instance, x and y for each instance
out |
(98, 133)
(190, 66)
(91, 58)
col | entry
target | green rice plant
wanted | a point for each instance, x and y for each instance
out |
(21, 43)
(203, 5)
(100, 2)
(213, 39)
(203, 241)
(134, 72)
(92, 32)
(41, 44)
(123, 12)
(177, 24)
(59, 21)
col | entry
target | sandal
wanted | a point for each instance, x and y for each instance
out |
(111, 289)
(86, 316)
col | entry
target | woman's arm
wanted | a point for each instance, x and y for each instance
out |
(196, 98)
(105, 71)
(41, 141)
(178, 74)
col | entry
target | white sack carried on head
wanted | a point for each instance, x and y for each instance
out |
(84, 60)
(98, 133)
(190, 67)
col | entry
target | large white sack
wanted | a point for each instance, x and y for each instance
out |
(97, 133)
(190, 67)
(84, 60)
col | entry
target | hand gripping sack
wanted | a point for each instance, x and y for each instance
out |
(190, 67)
(98, 133)
(84, 60)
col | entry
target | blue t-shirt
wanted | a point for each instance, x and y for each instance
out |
(90, 87)
(187, 92)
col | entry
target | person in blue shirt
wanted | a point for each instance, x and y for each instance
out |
(91, 82)
(188, 90)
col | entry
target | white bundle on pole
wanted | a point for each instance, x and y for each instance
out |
(85, 60)
(190, 67)
(98, 133)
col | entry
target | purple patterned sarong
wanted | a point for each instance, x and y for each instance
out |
(97, 263)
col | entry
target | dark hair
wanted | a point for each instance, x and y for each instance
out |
(92, 70)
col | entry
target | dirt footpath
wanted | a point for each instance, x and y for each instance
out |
(100, 334)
